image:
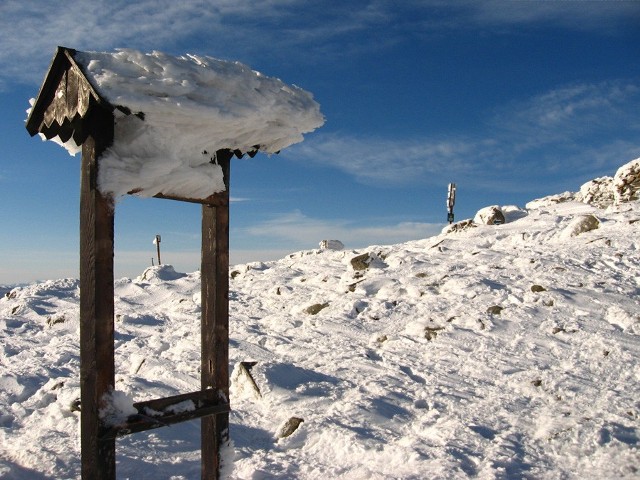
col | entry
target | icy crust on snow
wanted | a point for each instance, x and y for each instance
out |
(192, 106)
(498, 352)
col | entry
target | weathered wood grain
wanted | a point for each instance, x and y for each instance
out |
(97, 370)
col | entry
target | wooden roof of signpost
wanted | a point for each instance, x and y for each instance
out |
(69, 107)
(74, 105)
(66, 97)
(66, 100)
(211, 105)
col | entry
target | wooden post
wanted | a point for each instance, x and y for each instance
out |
(96, 300)
(69, 107)
(215, 320)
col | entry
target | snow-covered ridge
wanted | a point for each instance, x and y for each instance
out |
(500, 351)
(603, 192)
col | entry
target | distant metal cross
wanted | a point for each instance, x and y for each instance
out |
(451, 201)
(157, 244)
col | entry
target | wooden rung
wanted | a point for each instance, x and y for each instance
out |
(158, 413)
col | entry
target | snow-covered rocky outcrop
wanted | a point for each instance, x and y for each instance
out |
(600, 192)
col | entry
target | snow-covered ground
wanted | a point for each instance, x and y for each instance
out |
(496, 351)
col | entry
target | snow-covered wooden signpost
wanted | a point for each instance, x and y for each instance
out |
(154, 125)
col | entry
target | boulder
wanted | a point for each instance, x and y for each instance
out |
(361, 262)
(331, 245)
(243, 384)
(316, 308)
(490, 216)
(550, 200)
(626, 182)
(597, 192)
(160, 273)
(580, 225)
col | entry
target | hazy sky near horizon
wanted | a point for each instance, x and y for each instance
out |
(512, 100)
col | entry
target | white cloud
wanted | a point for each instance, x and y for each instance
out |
(577, 15)
(560, 128)
(574, 110)
(245, 29)
(303, 232)
(385, 161)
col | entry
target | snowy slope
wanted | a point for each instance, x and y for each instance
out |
(499, 351)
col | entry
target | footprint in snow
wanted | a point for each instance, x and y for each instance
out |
(409, 373)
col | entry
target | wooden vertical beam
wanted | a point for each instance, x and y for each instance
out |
(215, 320)
(96, 300)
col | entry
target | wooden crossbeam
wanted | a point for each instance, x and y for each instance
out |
(163, 412)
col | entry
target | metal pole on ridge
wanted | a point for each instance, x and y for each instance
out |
(451, 201)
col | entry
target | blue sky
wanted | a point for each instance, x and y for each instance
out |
(512, 100)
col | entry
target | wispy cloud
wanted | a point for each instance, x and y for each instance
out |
(245, 29)
(384, 161)
(568, 128)
(577, 15)
(574, 111)
(30, 31)
(303, 232)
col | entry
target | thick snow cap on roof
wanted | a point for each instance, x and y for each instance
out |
(188, 108)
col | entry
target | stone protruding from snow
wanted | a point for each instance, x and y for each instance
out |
(316, 308)
(551, 200)
(361, 262)
(597, 192)
(580, 225)
(243, 385)
(459, 226)
(289, 427)
(331, 245)
(626, 182)
(490, 216)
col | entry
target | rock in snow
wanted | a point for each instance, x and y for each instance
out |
(331, 245)
(490, 216)
(508, 352)
(626, 183)
(598, 192)
(579, 225)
